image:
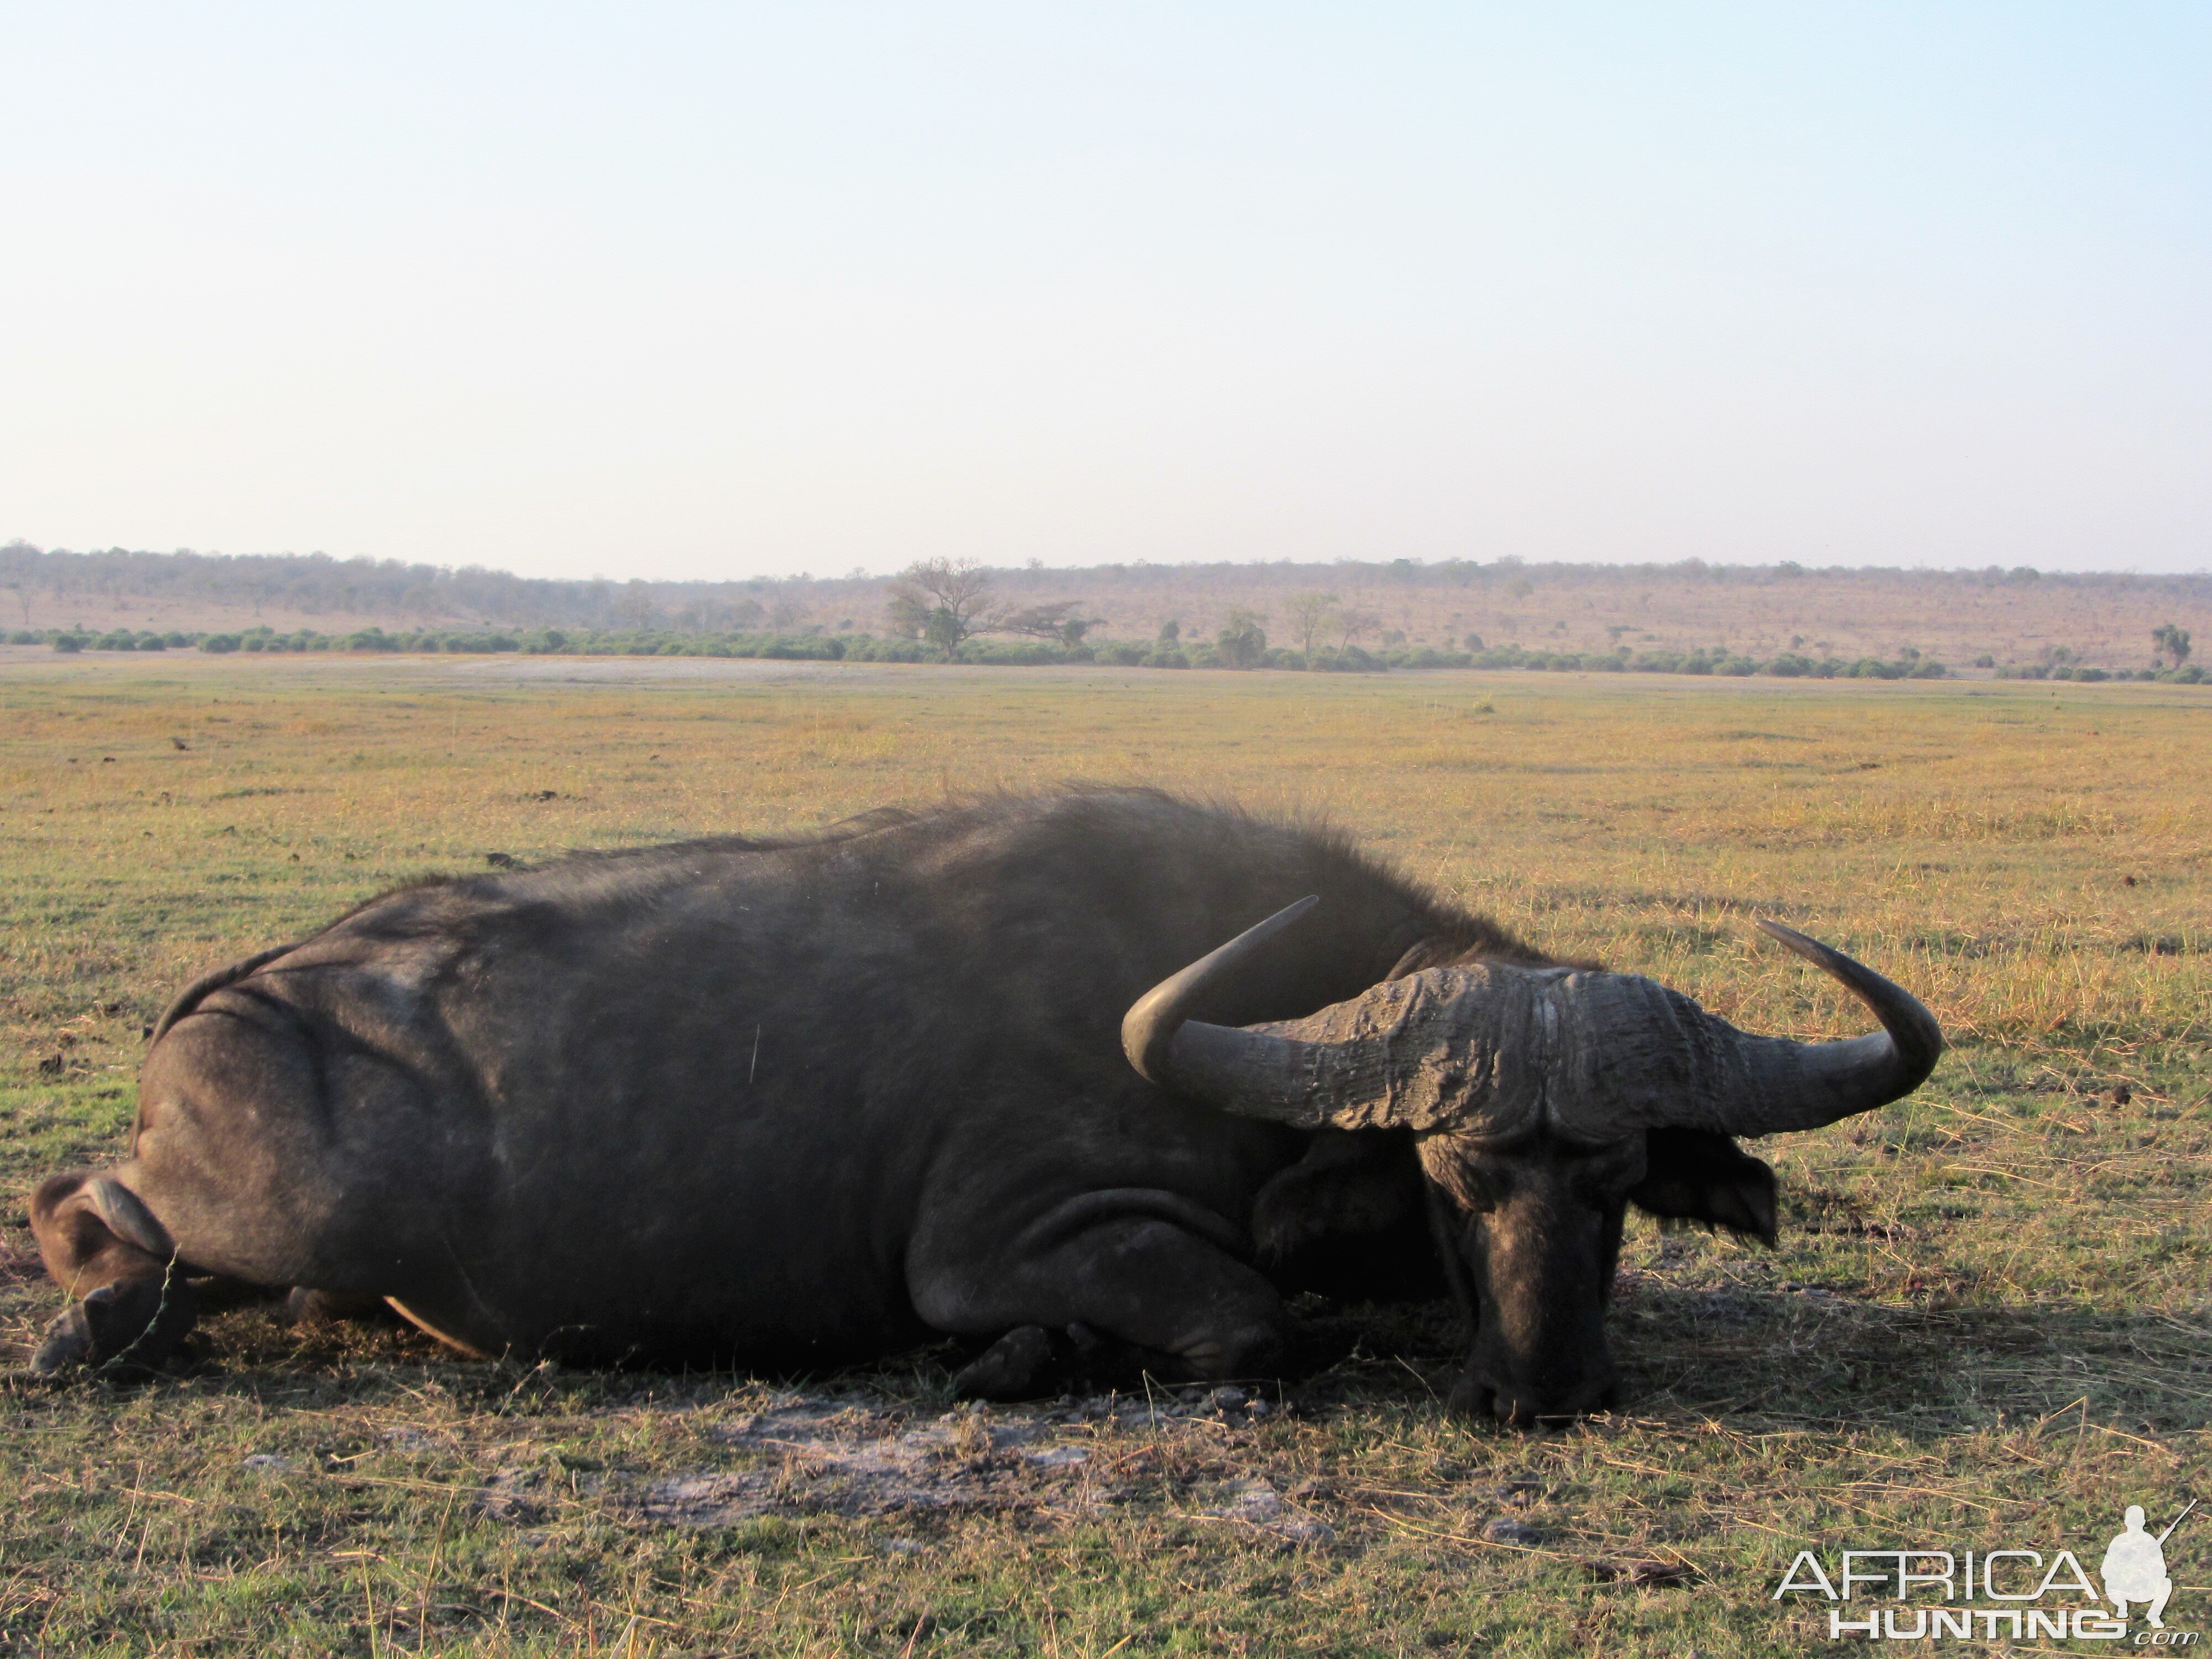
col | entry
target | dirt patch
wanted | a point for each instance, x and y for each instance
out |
(861, 1458)
(829, 1457)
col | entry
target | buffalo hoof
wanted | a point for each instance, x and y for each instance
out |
(68, 1343)
(1008, 1369)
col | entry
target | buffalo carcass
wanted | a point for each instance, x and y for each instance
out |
(793, 1102)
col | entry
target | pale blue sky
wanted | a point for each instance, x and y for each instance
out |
(728, 290)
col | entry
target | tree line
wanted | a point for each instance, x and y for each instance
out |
(36, 581)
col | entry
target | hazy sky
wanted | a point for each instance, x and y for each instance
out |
(674, 291)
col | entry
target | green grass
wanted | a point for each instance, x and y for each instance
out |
(1989, 1319)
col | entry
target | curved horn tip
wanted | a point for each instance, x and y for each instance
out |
(1902, 1014)
(1150, 1025)
(1803, 944)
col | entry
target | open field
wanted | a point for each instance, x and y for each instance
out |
(1989, 1323)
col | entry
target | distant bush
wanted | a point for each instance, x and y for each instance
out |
(868, 648)
(1241, 647)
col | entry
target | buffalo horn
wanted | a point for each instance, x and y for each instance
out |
(1779, 1086)
(1259, 1071)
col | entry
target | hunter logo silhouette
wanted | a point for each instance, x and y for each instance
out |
(2135, 1567)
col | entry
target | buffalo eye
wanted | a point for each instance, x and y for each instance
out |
(1474, 1184)
(1607, 1175)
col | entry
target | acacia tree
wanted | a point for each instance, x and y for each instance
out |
(2170, 642)
(944, 601)
(1351, 625)
(1057, 621)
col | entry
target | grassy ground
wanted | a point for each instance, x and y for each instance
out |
(1990, 1321)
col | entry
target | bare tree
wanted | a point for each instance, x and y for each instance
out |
(944, 601)
(635, 607)
(1310, 616)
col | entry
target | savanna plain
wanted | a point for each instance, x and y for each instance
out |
(1989, 1322)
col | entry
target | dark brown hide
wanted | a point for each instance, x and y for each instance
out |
(777, 1103)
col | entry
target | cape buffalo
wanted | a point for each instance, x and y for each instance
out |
(811, 1100)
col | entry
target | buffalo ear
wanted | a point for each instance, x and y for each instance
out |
(1346, 1184)
(1701, 1175)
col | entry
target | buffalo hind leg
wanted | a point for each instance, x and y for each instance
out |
(102, 1245)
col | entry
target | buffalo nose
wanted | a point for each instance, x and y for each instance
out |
(1520, 1406)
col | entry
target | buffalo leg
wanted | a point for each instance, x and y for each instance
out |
(1138, 1280)
(102, 1245)
(1010, 1369)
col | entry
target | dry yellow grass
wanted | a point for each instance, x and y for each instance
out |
(1990, 1309)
